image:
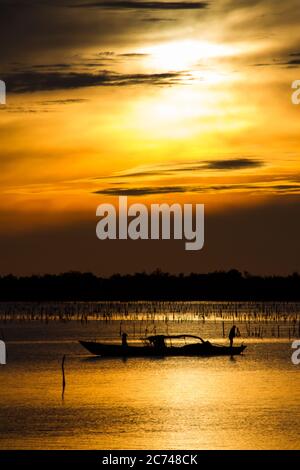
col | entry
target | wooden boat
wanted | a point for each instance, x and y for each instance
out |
(155, 346)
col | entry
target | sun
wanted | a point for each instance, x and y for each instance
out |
(183, 55)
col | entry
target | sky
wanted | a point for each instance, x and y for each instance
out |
(163, 101)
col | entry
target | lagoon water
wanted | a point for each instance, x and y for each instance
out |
(249, 402)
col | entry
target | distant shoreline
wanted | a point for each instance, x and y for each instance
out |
(158, 286)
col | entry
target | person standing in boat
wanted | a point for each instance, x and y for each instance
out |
(124, 340)
(232, 335)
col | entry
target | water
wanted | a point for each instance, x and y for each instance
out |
(251, 402)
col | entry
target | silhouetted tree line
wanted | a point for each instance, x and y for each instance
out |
(220, 285)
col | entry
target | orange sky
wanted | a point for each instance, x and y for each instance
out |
(188, 104)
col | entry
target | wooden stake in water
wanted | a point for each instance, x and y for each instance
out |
(63, 377)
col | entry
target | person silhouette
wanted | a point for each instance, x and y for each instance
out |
(124, 340)
(232, 335)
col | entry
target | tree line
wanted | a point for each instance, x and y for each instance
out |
(158, 285)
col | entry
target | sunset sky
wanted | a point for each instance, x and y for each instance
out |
(180, 101)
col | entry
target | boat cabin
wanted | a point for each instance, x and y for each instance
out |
(159, 341)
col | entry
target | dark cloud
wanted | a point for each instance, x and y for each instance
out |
(287, 64)
(286, 188)
(51, 30)
(154, 190)
(233, 164)
(286, 60)
(169, 169)
(136, 5)
(292, 62)
(151, 190)
(63, 101)
(52, 66)
(48, 81)
(22, 109)
(262, 65)
(59, 67)
(227, 164)
(106, 53)
(133, 54)
(137, 174)
(158, 20)
(146, 191)
(45, 106)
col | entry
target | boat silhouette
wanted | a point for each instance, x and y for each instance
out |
(156, 346)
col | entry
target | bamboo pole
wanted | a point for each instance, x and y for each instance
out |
(63, 377)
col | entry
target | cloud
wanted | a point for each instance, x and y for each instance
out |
(136, 5)
(134, 54)
(106, 53)
(51, 66)
(262, 65)
(22, 109)
(23, 82)
(145, 191)
(59, 67)
(285, 188)
(287, 60)
(45, 106)
(54, 31)
(241, 163)
(155, 190)
(63, 101)
(233, 164)
(158, 20)
(293, 62)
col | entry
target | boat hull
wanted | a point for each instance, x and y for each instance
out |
(204, 350)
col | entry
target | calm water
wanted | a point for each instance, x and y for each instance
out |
(251, 402)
